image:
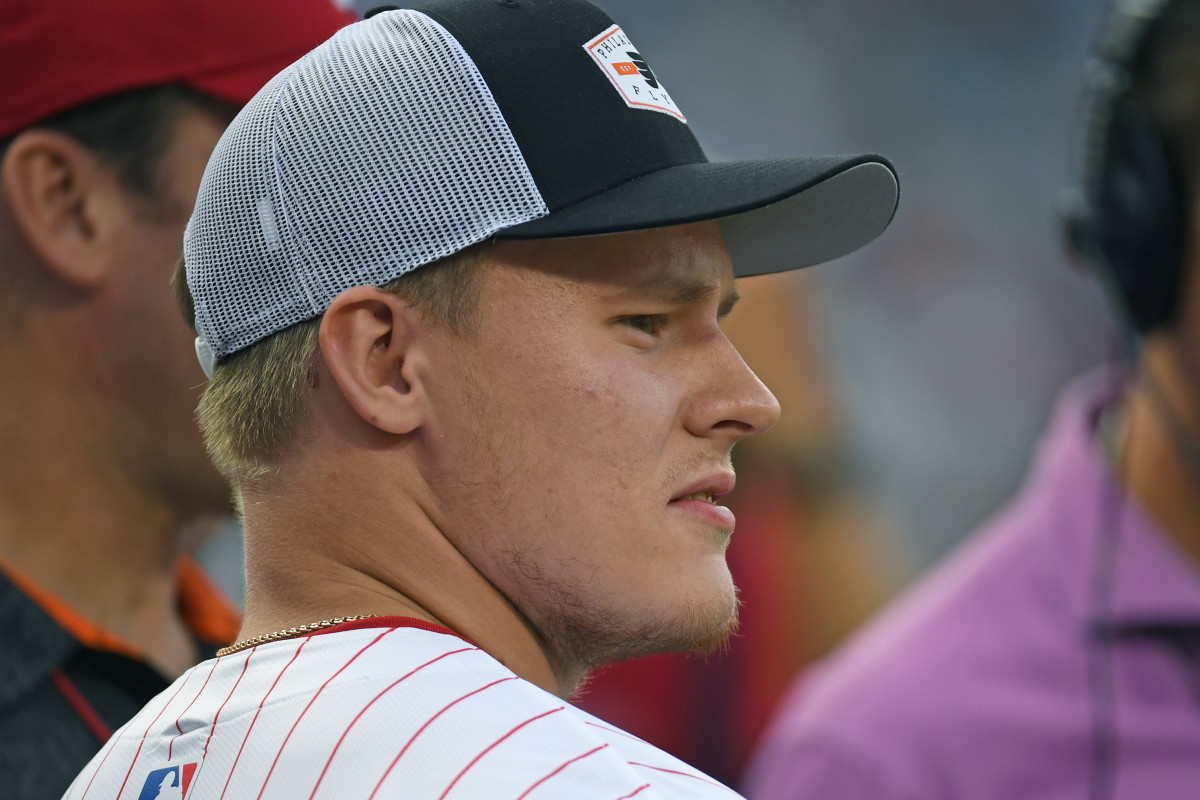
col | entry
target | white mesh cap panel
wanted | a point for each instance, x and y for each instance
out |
(378, 152)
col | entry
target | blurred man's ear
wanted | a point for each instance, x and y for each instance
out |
(367, 340)
(65, 201)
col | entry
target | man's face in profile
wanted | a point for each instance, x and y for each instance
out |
(152, 346)
(587, 432)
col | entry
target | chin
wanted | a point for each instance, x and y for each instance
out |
(578, 642)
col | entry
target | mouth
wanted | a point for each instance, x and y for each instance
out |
(709, 489)
(703, 507)
(707, 497)
(701, 502)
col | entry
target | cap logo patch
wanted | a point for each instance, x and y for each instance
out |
(630, 74)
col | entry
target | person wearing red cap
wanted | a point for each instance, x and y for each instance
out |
(108, 114)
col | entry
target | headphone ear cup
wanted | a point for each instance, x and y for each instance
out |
(1138, 225)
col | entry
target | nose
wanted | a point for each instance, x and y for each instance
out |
(732, 403)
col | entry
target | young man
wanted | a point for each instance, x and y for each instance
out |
(458, 277)
(1058, 653)
(108, 115)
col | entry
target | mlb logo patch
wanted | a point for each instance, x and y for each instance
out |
(168, 783)
(630, 74)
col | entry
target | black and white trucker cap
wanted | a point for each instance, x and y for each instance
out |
(416, 133)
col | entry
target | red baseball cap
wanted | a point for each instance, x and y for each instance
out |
(57, 54)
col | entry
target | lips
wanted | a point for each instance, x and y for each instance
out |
(699, 502)
(709, 489)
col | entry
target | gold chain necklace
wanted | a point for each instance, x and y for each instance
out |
(299, 630)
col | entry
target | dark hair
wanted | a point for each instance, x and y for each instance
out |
(130, 131)
(1166, 86)
(1140, 161)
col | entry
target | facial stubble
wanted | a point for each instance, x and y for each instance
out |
(579, 633)
(579, 623)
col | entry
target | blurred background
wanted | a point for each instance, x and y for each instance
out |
(944, 341)
(914, 375)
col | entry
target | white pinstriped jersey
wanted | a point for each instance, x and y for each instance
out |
(380, 708)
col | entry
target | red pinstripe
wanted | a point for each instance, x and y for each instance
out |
(492, 746)
(366, 647)
(217, 716)
(618, 731)
(561, 768)
(684, 774)
(647, 766)
(148, 727)
(635, 792)
(261, 703)
(171, 744)
(144, 734)
(429, 722)
(130, 770)
(112, 745)
(357, 716)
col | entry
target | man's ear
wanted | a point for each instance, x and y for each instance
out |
(367, 339)
(61, 197)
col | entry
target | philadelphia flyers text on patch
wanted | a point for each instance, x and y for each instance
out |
(630, 74)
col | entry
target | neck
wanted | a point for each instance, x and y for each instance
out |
(1155, 465)
(307, 562)
(64, 491)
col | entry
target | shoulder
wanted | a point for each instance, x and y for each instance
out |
(957, 626)
(384, 713)
(468, 724)
(821, 765)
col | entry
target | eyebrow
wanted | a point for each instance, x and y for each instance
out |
(689, 292)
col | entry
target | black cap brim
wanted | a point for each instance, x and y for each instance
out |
(776, 214)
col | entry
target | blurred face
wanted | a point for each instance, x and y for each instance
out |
(159, 378)
(583, 440)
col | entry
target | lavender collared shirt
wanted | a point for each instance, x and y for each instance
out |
(993, 680)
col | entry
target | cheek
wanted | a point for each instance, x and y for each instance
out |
(149, 257)
(598, 431)
(147, 315)
(573, 471)
(573, 423)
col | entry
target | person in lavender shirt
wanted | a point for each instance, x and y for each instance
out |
(1057, 653)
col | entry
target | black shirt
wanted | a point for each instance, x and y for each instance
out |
(51, 688)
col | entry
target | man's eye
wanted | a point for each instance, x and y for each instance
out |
(646, 323)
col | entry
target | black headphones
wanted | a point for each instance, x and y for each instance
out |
(1127, 214)
(1127, 211)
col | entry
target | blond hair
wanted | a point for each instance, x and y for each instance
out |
(257, 400)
